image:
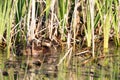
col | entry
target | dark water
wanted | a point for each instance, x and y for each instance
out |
(105, 66)
(28, 68)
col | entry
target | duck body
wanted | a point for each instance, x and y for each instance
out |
(35, 49)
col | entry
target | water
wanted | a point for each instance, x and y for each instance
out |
(105, 66)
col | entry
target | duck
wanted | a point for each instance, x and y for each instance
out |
(35, 49)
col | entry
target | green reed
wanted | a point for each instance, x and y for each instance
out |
(2, 20)
(106, 24)
(20, 8)
(88, 30)
(19, 15)
(6, 21)
(62, 15)
(47, 7)
(105, 11)
(12, 13)
(116, 21)
(5, 12)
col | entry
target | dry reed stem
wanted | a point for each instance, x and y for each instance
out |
(66, 54)
(92, 24)
(69, 35)
(31, 25)
(69, 57)
(119, 19)
(52, 19)
(28, 24)
(69, 40)
(33, 22)
(76, 21)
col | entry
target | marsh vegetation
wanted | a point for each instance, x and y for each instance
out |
(54, 36)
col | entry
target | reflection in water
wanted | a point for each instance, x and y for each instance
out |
(29, 68)
(82, 67)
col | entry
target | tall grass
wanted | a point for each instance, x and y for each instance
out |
(76, 21)
(92, 2)
(6, 21)
(31, 24)
(19, 18)
(20, 9)
(12, 13)
(107, 19)
(88, 30)
(116, 21)
(62, 15)
(47, 8)
(2, 20)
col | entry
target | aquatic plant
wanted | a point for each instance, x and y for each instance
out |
(68, 23)
(63, 7)
(6, 22)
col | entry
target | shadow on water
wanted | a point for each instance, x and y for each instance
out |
(105, 66)
(81, 67)
(28, 68)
